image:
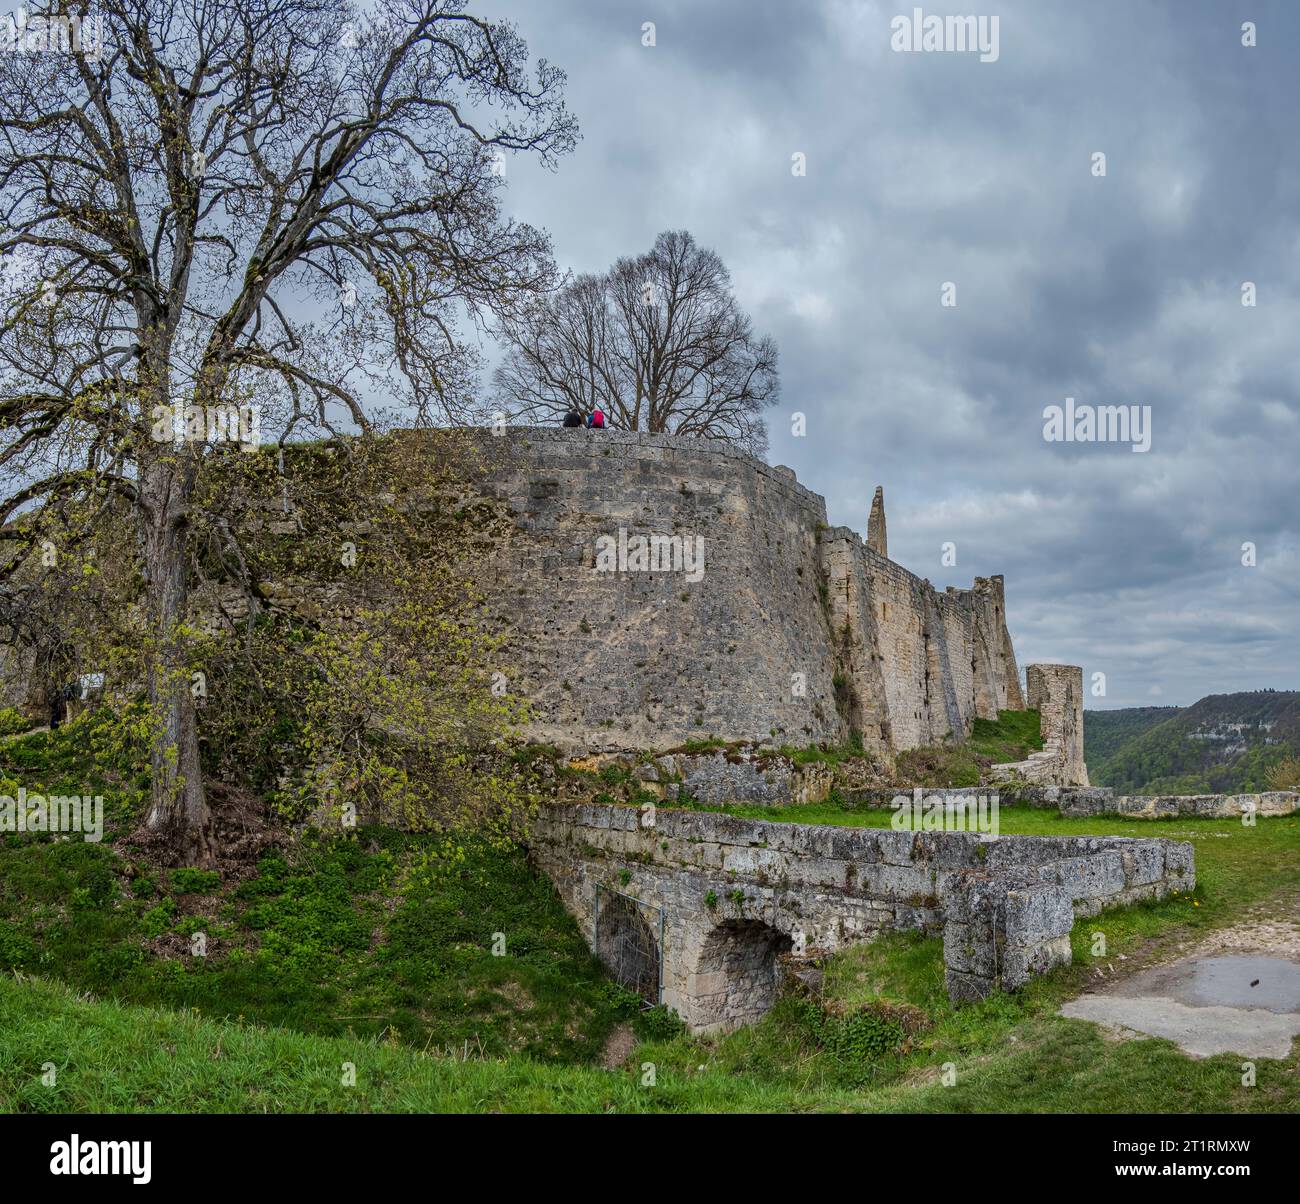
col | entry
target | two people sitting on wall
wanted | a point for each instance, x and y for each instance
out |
(594, 421)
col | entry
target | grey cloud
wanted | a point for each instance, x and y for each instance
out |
(924, 168)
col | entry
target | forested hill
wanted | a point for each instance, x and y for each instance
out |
(1106, 732)
(1224, 743)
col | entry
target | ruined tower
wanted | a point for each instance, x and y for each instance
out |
(877, 536)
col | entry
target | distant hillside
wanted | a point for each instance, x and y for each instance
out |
(1106, 732)
(1224, 743)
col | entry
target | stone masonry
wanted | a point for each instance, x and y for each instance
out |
(713, 899)
(793, 632)
(1056, 693)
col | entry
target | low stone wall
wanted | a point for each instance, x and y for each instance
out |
(1013, 921)
(728, 895)
(1165, 806)
(1086, 801)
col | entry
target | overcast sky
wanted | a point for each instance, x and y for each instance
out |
(1122, 289)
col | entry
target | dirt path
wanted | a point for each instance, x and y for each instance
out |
(1233, 990)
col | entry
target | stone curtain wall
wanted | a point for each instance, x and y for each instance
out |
(795, 633)
(736, 892)
(610, 660)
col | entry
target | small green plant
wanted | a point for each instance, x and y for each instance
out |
(195, 882)
(658, 1023)
(156, 920)
(737, 896)
(13, 721)
(624, 877)
(711, 900)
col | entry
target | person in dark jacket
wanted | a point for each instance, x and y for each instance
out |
(58, 704)
(573, 418)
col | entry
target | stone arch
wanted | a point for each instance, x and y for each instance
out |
(736, 975)
(627, 944)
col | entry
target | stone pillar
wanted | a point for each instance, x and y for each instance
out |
(1056, 693)
(1001, 930)
(877, 536)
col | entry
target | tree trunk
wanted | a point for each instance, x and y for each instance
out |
(179, 807)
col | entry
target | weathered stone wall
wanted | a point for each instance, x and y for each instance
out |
(1056, 693)
(730, 894)
(1102, 801)
(636, 659)
(793, 633)
(788, 632)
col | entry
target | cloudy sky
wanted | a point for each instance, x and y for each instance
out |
(1117, 289)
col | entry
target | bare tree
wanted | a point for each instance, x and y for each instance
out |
(658, 342)
(238, 199)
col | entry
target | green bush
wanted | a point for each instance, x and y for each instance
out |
(658, 1023)
(17, 950)
(854, 1040)
(13, 721)
(156, 920)
(195, 882)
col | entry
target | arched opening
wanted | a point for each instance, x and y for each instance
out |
(627, 944)
(736, 976)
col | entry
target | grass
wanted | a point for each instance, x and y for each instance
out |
(370, 951)
(1012, 737)
(376, 933)
(345, 936)
(1008, 1054)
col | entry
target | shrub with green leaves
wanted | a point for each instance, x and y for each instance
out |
(658, 1023)
(187, 881)
(13, 721)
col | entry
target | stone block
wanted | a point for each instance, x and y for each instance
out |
(970, 949)
(1143, 863)
(1035, 914)
(896, 848)
(1019, 964)
(967, 988)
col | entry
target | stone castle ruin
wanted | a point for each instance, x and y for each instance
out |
(657, 590)
(664, 596)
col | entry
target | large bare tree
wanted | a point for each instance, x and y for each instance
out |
(658, 342)
(235, 202)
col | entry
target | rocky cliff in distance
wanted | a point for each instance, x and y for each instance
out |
(1223, 743)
